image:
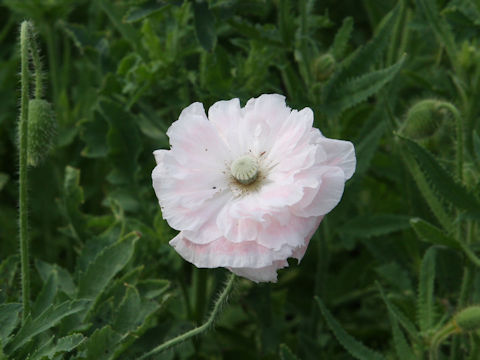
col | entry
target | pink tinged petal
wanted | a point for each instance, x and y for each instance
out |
(223, 253)
(328, 195)
(340, 153)
(265, 274)
(226, 116)
(298, 253)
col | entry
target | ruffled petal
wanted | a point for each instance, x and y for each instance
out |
(265, 274)
(340, 153)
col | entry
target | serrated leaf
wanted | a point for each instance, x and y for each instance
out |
(398, 315)
(403, 349)
(286, 353)
(204, 25)
(105, 266)
(46, 320)
(46, 296)
(362, 59)
(439, 26)
(425, 302)
(341, 38)
(9, 319)
(428, 193)
(72, 200)
(358, 89)
(65, 281)
(128, 311)
(101, 344)
(64, 344)
(367, 147)
(123, 141)
(440, 179)
(432, 234)
(354, 347)
(365, 226)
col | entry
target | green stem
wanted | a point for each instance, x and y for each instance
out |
(440, 337)
(23, 185)
(200, 329)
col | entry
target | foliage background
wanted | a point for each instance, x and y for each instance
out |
(120, 72)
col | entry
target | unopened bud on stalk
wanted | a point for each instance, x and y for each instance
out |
(323, 67)
(42, 128)
(424, 118)
(468, 319)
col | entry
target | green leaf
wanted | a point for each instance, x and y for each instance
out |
(355, 348)
(3, 180)
(9, 319)
(398, 315)
(365, 226)
(432, 234)
(440, 179)
(403, 349)
(128, 311)
(105, 266)
(425, 303)
(286, 353)
(368, 145)
(46, 296)
(428, 192)
(144, 10)
(439, 26)
(204, 25)
(356, 90)
(342, 36)
(94, 134)
(46, 320)
(64, 344)
(72, 200)
(65, 281)
(101, 343)
(123, 142)
(362, 59)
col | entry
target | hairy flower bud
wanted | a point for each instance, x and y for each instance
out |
(323, 67)
(468, 319)
(41, 130)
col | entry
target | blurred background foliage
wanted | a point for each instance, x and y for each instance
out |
(120, 72)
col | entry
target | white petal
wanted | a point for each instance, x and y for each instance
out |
(340, 153)
(265, 274)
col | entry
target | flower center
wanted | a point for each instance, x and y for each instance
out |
(245, 169)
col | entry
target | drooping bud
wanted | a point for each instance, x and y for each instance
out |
(423, 119)
(42, 128)
(323, 67)
(468, 319)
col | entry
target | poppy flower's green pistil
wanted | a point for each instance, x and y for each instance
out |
(245, 169)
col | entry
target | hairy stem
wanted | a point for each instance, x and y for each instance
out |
(23, 185)
(200, 329)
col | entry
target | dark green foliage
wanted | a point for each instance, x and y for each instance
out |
(394, 263)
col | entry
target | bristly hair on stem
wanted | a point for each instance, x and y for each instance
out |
(217, 307)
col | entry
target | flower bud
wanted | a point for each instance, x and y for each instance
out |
(423, 119)
(41, 130)
(323, 67)
(468, 319)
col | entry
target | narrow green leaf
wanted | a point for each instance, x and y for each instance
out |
(101, 344)
(365, 226)
(356, 90)
(105, 266)
(396, 313)
(144, 10)
(3, 180)
(368, 145)
(341, 38)
(432, 234)
(46, 320)
(46, 296)
(72, 200)
(439, 26)
(64, 344)
(204, 25)
(9, 319)
(425, 303)
(440, 179)
(428, 193)
(286, 353)
(403, 349)
(65, 281)
(355, 348)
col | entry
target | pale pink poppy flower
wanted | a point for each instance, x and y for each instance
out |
(247, 187)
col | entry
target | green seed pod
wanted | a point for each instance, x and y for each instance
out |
(323, 67)
(468, 319)
(42, 128)
(423, 119)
